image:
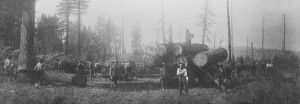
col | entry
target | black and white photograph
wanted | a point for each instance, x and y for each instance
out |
(149, 52)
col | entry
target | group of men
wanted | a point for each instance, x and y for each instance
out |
(117, 71)
(8, 67)
(36, 75)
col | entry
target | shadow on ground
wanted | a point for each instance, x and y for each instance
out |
(131, 86)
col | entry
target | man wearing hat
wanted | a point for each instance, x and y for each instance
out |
(163, 71)
(114, 73)
(8, 67)
(183, 78)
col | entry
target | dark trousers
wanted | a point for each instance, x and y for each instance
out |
(114, 82)
(92, 74)
(183, 84)
(38, 77)
(10, 74)
(162, 82)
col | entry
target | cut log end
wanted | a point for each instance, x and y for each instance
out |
(200, 60)
(210, 57)
(161, 50)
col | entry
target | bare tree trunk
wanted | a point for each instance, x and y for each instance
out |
(262, 36)
(205, 21)
(27, 55)
(252, 51)
(229, 33)
(247, 46)
(162, 21)
(67, 38)
(79, 16)
(284, 31)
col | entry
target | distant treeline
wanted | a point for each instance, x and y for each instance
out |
(258, 53)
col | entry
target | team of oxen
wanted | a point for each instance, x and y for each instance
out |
(126, 68)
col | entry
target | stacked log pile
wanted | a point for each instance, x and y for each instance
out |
(181, 49)
(173, 54)
(164, 50)
(195, 58)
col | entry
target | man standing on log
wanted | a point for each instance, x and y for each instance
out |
(183, 78)
(188, 38)
(8, 67)
(163, 76)
(114, 73)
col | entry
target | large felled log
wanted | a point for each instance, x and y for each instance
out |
(75, 79)
(67, 65)
(151, 61)
(164, 49)
(210, 57)
(170, 61)
(182, 49)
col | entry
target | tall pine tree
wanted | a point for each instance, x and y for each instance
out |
(66, 8)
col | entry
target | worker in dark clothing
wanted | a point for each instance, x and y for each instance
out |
(163, 72)
(114, 74)
(80, 68)
(8, 67)
(91, 67)
(221, 76)
(183, 78)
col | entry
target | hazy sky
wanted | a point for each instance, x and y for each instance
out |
(184, 14)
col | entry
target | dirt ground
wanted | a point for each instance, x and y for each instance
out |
(138, 91)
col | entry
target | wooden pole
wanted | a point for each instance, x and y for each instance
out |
(79, 43)
(284, 31)
(229, 33)
(162, 20)
(123, 35)
(205, 21)
(247, 47)
(232, 31)
(214, 41)
(252, 50)
(263, 38)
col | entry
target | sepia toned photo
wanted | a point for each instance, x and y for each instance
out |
(149, 52)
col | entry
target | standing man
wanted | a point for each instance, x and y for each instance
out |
(91, 67)
(114, 73)
(8, 67)
(127, 70)
(183, 78)
(188, 38)
(163, 76)
(39, 76)
(80, 68)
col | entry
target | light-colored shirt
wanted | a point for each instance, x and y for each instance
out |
(182, 72)
(7, 63)
(39, 67)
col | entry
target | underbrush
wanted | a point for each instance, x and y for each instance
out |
(279, 89)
